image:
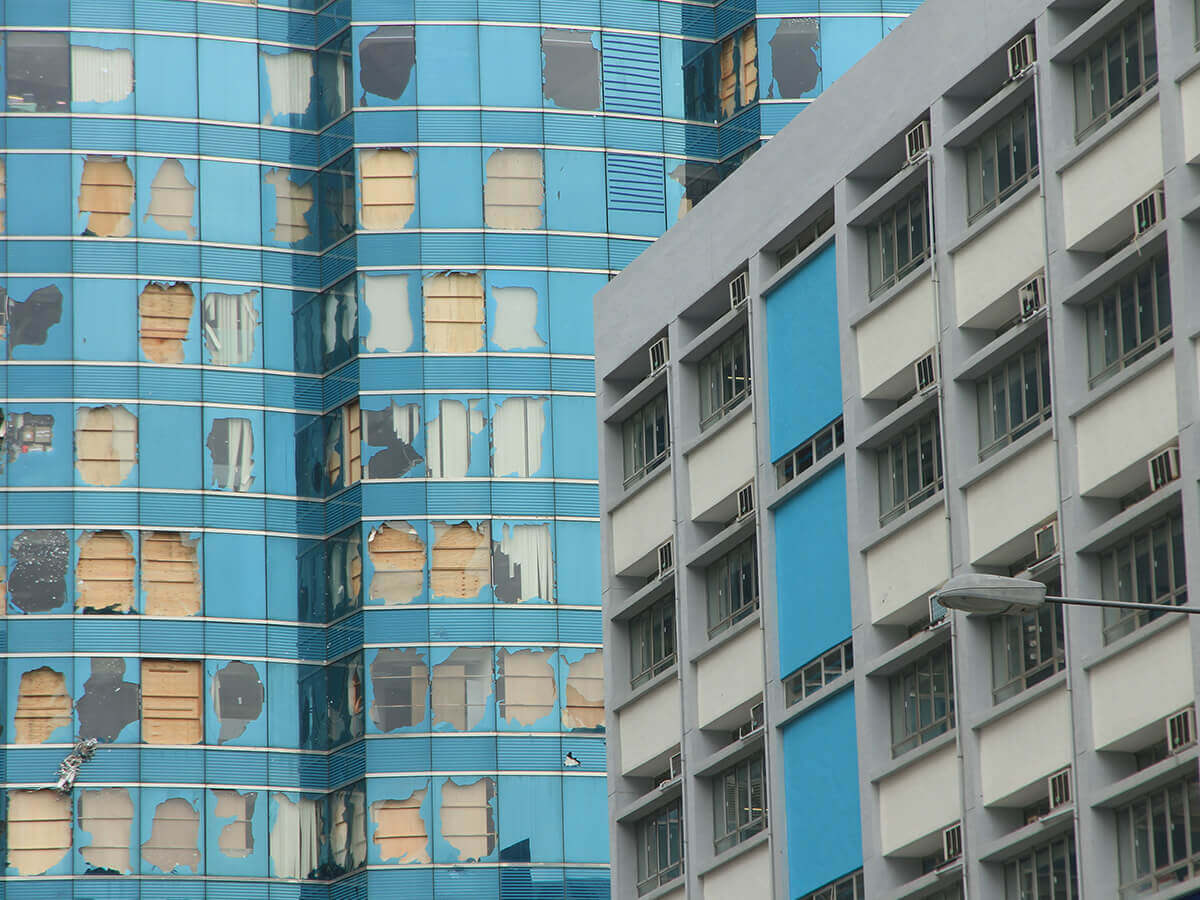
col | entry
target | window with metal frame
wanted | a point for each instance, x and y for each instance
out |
(646, 436)
(1129, 320)
(1026, 649)
(660, 847)
(652, 641)
(1158, 839)
(808, 236)
(910, 469)
(819, 673)
(1014, 398)
(812, 451)
(922, 700)
(847, 888)
(1115, 70)
(739, 803)
(1005, 158)
(1044, 872)
(732, 584)
(724, 378)
(898, 242)
(1148, 567)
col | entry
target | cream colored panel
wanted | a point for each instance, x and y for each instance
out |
(1025, 746)
(1189, 91)
(721, 465)
(1012, 499)
(643, 522)
(744, 876)
(890, 341)
(906, 567)
(1112, 453)
(650, 726)
(1144, 684)
(1105, 184)
(919, 800)
(729, 676)
(1006, 255)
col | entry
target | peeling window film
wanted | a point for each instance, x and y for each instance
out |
(174, 837)
(296, 838)
(345, 440)
(525, 686)
(697, 180)
(386, 299)
(3, 194)
(584, 706)
(106, 196)
(104, 575)
(394, 429)
(99, 75)
(334, 78)
(468, 818)
(523, 566)
(386, 58)
(164, 319)
(292, 203)
(172, 199)
(109, 702)
(461, 560)
(172, 701)
(514, 190)
(289, 79)
(235, 840)
(30, 320)
(389, 186)
(748, 55)
(448, 438)
(461, 687)
(344, 573)
(43, 705)
(517, 430)
(39, 560)
(107, 815)
(238, 696)
(348, 828)
(170, 574)
(398, 557)
(399, 682)
(400, 829)
(794, 62)
(339, 322)
(229, 323)
(454, 312)
(105, 444)
(39, 830)
(571, 72)
(231, 445)
(516, 319)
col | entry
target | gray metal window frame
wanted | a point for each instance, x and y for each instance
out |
(907, 476)
(1026, 650)
(889, 256)
(1148, 838)
(651, 427)
(724, 378)
(1107, 65)
(1043, 872)
(820, 673)
(1138, 582)
(736, 818)
(810, 452)
(995, 395)
(653, 868)
(650, 633)
(731, 586)
(807, 237)
(1000, 143)
(916, 692)
(1140, 302)
(849, 887)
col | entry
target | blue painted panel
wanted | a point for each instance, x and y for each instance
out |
(448, 62)
(227, 72)
(229, 202)
(106, 321)
(171, 457)
(538, 818)
(575, 191)
(586, 840)
(450, 186)
(571, 311)
(844, 41)
(39, 195)
(235, 575)
(575, 449)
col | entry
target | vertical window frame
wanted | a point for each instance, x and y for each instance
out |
(736, 819)
(889, 241)
(1135, 581)
(1110, 348)
(731, 586)
(652, 641)
(660, 848)
(903, 468)
(914, 692)
(1023, 122)
(995, 400)
(1092, 71)
(648, 429)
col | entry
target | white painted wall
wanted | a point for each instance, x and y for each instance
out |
(906, 567)
(649, 726)
(1189, 94)
(1006, 255)
(743, 877)
(890, 341)
(729, 676)
(1012, 499)
(643, 522)
(919, 800)
(722, 464)
(1025, 746)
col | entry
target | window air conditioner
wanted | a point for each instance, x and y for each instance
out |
(916, 142)
(739, 290)
(937, 613)
(666, 558)
(1032, 297)
(926, 372)
(658, 355)
(1164, 468)
(745, 498)
(1181, 730)
(754, 725)
(1059, 785)
(1045, 541)
(674, 770)
(1021, 56)
(1149, 211)
(952, 842)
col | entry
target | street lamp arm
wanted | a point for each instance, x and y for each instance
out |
(1119, 604)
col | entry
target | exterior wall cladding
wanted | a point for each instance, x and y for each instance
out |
(1000, 312)
(299, 472)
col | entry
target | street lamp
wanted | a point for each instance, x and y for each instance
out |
(994, 595)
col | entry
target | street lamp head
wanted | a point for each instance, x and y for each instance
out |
(991, 595)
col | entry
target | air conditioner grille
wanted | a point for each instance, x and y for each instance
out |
(1148, 211)
(1020, 56)
(926, 372)
(1181, 730)
(666, 558)
(745, 498)
(1060, 788)
(739, 289)
(1164, 468)
(916, 141)
(658, 355)
(952, 842)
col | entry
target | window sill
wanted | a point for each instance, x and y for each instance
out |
(1091, 30)
(1130, 373)
(1142, 513)
(642, 598)
(1157, 775)
(730, 754)
(882, 299)
(1008, 344)
(646, 687)
(822, 241)
(976, 227)
(650, 801)
(997, 106)
(715, 334)
(815, 699)
(718, 425)
(1122, 263)
(1137, 636)
(753, 620)
(1005, 454)
(879, 434)
(1109, 128)
(899, 524)
(663, 889)
(884, 197)
(948, 875)
(733, 852)
(633, 490)
(1046, 828)
(891, 662)
(726, 539)
(632, 401)
(929, 748)
(779, 495)
(1007, 707)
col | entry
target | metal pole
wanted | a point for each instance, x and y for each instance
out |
(1117, 604)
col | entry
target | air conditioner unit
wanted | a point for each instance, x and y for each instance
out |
(1021, 56)
(1059, 785)
(674, 770)
(1149, 211)
(1032, 297)
(745, 497)
(658, 355)
(952, 842)
(739, 290)
(1181, 730)
(937, 613)
(755, 724)
(1045, 541)
(666, 558)
(916, 142)
(1164, 468)
(925, 370)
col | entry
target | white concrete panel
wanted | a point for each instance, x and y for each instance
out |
(643, 522)
(990, 268)
(1024, 747)
(1140, 687)
(649, 726)
(1115, 436)
(1189, 91)
(1099, 190)
(743, 877)
(721, 465)
(919, 801)
(907, 566)
(729, 676)
(1011, 500)
(890, 341)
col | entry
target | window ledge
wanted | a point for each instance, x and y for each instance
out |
(882, 198)
(891, 662)
(902, 522)
(822, 241)
(644, 390)
(734, 413)
(879, 301)
(1004, 101)
(731, 753)
(712, 336)
(715, 643)
(827, 692)
(1012, 704)
(780, 495)
(1120, 264)
(1047, 827)
(1091, 30)
(877, 435)
(1130, 373)
(917, 753)
(733, 852)
(651, 800)
(725, 539)
(1005, 454)
(1002, 208)
(1145, 511)
(949, 874)
(1113, 125)
(635, 694)
(1003, 347)
(1137, 636)
(637, 487)
(642, 598)
(1148, 779)
(664, 889)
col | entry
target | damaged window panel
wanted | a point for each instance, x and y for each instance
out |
(289, 80)
(386, 57)
(469, 819)
(514, 190)
(106, 196)
(238, 696)
(345, 573)
(28, 433)
(236, 840)
(164, 319)
(292, 203)
(105, 573)
(109, 702)
(39, 560)
(105, 444)
(794, 62)
(99, 75)
(345, 695)
(448, 438)
(461, 688)
(399, 682)
(345, 439)
(107, 815)
(698, 180)
(389, 187)
(748, 58)
(37, 71)
(525, 686)
(334, 78)
(172, 199)
(39, 830)
(571, 72)
(172, 704)
(398, 557)
(454, 312)
(171, 574)
(43, 705)
(30, 320)
(339, 323)
(523, 564)
(229, 323)
(584, 691)
(516, 319)
(231, 445)
(386, 299)
(338, 200)
(461, 564)
(348, 828)
(400, 829)
(394, 429)
(296, 838)
(174, 837)
(517, 430)
(3, 195)
(727, 84)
